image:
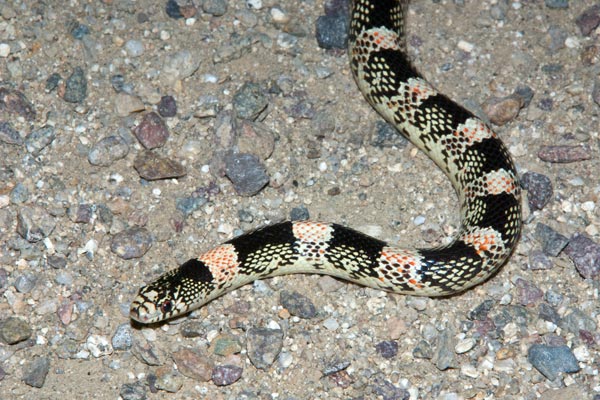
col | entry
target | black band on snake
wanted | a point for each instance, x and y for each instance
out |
(467, 151)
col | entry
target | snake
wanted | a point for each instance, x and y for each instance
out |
(465, 148)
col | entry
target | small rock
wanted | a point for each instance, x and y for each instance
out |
(225, 375)
(577, 321)
(527, 293)
(500, 111)
(36, 372)
(133, 391)
(445, 357)
(131, 243)
(246, 173)
(387, 348)
(552, 242)
(123, 337)
(225, 345)
(39, 139)
(564, 153)
(465, 345)
(193, 365)
(168, 379)
(167, 107)
(551, 361)
(9, 135)
(34, 223)
(263, 346)
(147, 353)
(15, 102)
(589, 20)
(216, 8)
(179, 66)
(249, 101)
(539, 190)
(134, 48)
(108, 150)
(152, 167)
(152, 132)
(14, 330)
(52, 82)
(332, 31)
(99, 346)
(538, 260)
(297, 304)
(585, 254)
(76, 86)
(25, 283)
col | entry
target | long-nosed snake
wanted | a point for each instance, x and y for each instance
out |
(467, 151)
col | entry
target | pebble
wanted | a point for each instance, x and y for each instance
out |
(14, 330)
(25, 283)
(332, 31)
(123, 337)
(152, 132)
(193, 365)
(224, 375)
(133, 391)
(577, 321)
(527, 293)
(564, 153)
(34, 223)
(585, 254)
(331, 324)
(255, 138)
(168, 379)
(215, 8)
(36, 371)
(131, 243)
(14, 102)
(4, 50)
(444, 355)
(552, 242)
(538, 260)
(588, 20)
(501, 111)
(225, 345)
(147, 353)
(297, 304)
(99, 346)
(387, 348)
(299, 213)
(386, 390)
(19, 194)
(465, 345)
(539, 190)
(126, 104)
(249, 101)
(134, 48)
(263, 346)
(179, 66)
(551, 361)
(167, 107)
(108, 150)
(9, 135)
(39, 139)
(246, 172)
(151, 167)
(75, 86)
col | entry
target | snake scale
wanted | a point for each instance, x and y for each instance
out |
(465, 148)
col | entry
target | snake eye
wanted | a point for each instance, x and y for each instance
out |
(166, 306)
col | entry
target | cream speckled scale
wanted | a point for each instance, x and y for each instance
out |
(469, 153)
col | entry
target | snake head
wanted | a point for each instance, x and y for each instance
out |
(172, 294)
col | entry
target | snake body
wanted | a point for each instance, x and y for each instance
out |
(465, 148)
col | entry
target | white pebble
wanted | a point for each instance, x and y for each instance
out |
(465, 46)
(464, 345)
(581, 353)
(331, 324)
(588, 206)
(205, 169)
(285, 359)
(4, 50)
(279, 16)
(134, 48)
(156, 192)
(572, 42)
(273, 325)
(322, 166)
(211, 335)
(254, 4)
(165, 35)
(419, 220)
(190, 21)
(469, 371)
(99, 346)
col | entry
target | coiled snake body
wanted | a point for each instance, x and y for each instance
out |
(469, 153)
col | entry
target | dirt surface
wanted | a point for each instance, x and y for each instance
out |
(323, 158)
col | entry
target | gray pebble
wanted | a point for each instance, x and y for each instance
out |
(36, 372)
(334, 368)
(589, 20)
(56, 262)
(386, 389)
(108, 150)
(297, 304)
(387, 348)
(19, 194)
(131, 243)
(423, 350)
(387, 136)
(551, 361)
(548, 313)
(552, 242)
(52, 82)
(445, 356)
(216, 8)
(246, 172)
(299, 213)
(133, 391)
(332, 31)
(76, 86)
(25, 283)
(538, 260)
(263, 346)
(224, 375)
(585, 254)
(34, 223)
(576, 321)
(123, 337)
(557, 3)
(39, 139)
(188, 205)
(249, 101)
(9, 135)
(134, 48)
(245, 216)
(14, 330)
(539, 189)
